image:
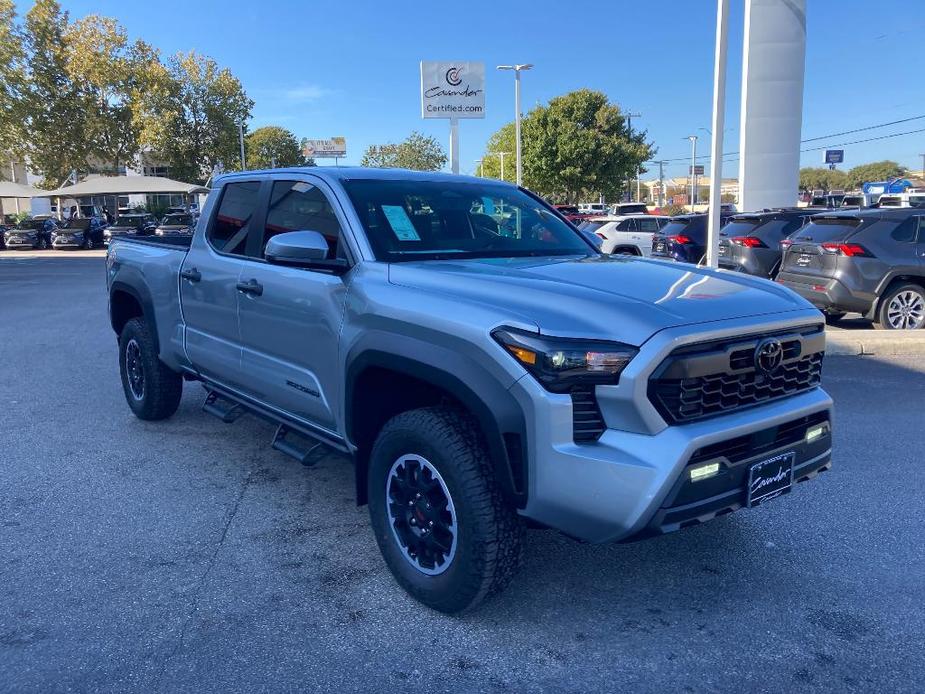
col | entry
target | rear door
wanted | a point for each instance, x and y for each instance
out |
(290, 329)
(208, 283)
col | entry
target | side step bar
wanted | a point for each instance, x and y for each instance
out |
(308, 454)
(295, 441)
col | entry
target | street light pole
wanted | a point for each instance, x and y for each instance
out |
(517, 70)
(241, 139)
(629, 131)
(693, 175)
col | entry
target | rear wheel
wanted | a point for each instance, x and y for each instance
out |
(152, 390)
(833, 317)
(902, 308)
(444, 530)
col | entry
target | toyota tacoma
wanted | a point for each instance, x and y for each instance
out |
(481, 364)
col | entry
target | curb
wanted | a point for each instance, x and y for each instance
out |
(863, 343)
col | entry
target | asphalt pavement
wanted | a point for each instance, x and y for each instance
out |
(186, 555)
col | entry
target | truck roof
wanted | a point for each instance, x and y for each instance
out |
(346, 173)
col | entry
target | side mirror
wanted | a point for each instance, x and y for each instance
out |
(306, 249)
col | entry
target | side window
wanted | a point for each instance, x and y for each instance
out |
(650, 226)
(300, 206)
(625, 225)
(228, 231)
(921, 221)
(905, 232)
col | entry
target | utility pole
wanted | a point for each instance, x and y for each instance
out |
(661, 184)
(716, 146)
(629, 130)
(923, 164)
(693, 175)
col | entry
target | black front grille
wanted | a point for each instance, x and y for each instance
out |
(750, 445)
(587, 421)
(693, 384)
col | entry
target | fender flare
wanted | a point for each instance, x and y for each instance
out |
(138, 290)
(885, 283)
(493, 406)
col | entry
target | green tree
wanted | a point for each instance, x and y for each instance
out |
(190, 113)
(501, 141)
(12, 81)
(418, 152)
(579, 146)
(822, 178)
(51, 105)
(875, 171)
(110, 73)
(272, 145)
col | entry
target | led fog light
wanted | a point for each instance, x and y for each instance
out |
(702, 472)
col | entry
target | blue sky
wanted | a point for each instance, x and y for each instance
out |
(350, 67)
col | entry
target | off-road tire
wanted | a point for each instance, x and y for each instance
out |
(489, 531)
(162, 387)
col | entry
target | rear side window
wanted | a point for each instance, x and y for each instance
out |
(228, 231)
(625, 225)
(648, 226)
(906, 231)
(300, 206)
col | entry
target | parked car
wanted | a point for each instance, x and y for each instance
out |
(867, 261)
(86, 233)
(910, 198)
(132, 224)
(34, 233)
(180, 224)
(751, 242)
(684, 238)
(625, 208)
(853, 199)
(475, 380)
(597, 208)
(4, 226)
(627, 234)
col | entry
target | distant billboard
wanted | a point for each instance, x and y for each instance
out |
(452, 90)
(695, 170)
(320, 149)
(834, 156)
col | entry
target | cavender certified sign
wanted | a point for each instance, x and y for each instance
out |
(319, 149)
(452, 90)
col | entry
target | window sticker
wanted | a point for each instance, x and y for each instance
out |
(400, 223)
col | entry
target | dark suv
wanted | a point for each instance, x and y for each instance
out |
(683, 238)
(868, 261)
(32, 233)
(751, 242)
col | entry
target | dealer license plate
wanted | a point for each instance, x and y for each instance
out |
(770, 478)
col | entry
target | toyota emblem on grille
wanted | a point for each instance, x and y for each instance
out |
(769, 355)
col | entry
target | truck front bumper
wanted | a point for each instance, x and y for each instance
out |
(629, 485)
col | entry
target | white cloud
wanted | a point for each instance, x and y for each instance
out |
(305, 92)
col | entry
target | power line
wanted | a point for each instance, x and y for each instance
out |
(826, 137)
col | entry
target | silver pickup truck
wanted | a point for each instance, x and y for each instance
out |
(481, 364)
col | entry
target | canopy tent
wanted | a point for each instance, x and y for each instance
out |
(127, 185)
(8, 189)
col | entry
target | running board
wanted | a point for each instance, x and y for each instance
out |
(223, 408)
(285, 440)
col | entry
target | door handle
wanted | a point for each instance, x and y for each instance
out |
(193, 275)
(252, 287)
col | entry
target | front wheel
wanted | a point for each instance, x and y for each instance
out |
(903, 308)
(442, 525)
(152, 390)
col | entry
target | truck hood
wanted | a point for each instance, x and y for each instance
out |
(618, 298)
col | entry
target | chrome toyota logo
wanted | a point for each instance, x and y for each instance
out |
(769, 355)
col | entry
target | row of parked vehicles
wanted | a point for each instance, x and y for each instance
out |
(851, 260)
(44, 231)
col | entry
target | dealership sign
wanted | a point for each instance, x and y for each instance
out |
(452, 90)
(317, 149)
(834, 156)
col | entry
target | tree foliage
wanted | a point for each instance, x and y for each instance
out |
(271, 146)
(12, 78)
(577, 146)
(502, 140)
(822, 178)
(190, 115)
(418, 152)
(875, 171)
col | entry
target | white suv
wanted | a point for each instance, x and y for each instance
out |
(629, 234)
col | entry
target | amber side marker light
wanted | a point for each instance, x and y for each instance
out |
(524, 355)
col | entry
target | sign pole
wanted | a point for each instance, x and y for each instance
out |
(454, 145)
(716, 149)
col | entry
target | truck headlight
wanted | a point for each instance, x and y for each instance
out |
(560, 363)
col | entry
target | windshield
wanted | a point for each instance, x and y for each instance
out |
(177, 220)
(828, 229)
(81, 223)
(31, 224)
(133, 220)
(852, 201)
(426, 220)
(675, 227)
(740, 227)
(632, 209)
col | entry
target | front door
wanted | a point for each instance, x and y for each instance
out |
(208, 284)
(290, 326)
